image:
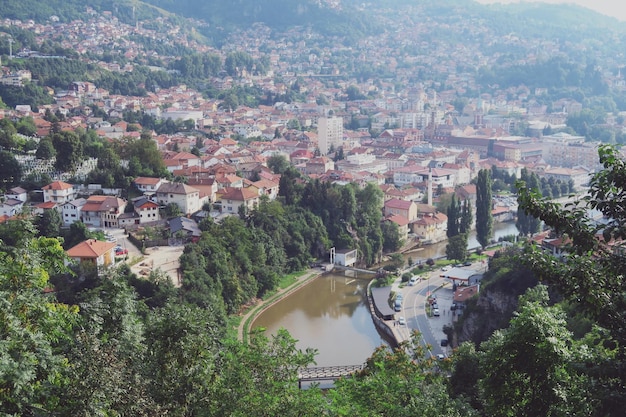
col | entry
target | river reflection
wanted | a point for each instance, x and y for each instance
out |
(331, 315)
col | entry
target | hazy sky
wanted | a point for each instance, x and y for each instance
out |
(614, 8)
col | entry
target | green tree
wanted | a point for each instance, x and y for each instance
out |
(10, 170)
(527, 367)
(45, 150)
(454, 214)
(484, 218)
(592, 274)
(33, 329)
(50, 223)
(457, 247)
(527, 224)
(278, 164)
(465, 223)
(69, 151)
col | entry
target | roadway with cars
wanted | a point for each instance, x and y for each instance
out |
(414, 312)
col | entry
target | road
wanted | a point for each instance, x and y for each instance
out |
(414, 311)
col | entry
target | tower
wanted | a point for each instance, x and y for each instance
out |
(430, 186)
(329, 133)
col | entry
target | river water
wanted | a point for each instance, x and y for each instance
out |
(330, 314)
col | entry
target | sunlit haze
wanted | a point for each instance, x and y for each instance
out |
(612, 8)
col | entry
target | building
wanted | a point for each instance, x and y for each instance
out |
(147, 210)
(103, 211)
(345, 257)
(234, 198)
(148, 185)
(95, 252)
(329, 133)
(72, 211)
(403, 208)
(58, 192)
(187, 198)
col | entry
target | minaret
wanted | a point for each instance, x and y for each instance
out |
(430, 186)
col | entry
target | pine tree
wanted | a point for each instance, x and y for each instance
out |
(484, 218)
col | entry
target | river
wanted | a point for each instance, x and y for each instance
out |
(330, 314)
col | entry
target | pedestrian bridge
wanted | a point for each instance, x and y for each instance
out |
(326, 373)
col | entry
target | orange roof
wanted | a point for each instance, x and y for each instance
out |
(91, 248)
(57, 185)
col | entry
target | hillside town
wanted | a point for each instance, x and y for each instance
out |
(414, 143)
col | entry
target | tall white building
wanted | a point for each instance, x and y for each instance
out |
(329, 133)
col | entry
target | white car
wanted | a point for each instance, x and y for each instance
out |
(436, 312)
(445, 268)
(401, 321)
(413, 280)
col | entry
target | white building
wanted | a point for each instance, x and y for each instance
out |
(329, 133)
(58, 192)
(72, 211)
(184, 196)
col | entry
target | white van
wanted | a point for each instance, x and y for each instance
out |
(414, 280)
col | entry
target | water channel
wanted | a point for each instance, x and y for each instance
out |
(331, 314)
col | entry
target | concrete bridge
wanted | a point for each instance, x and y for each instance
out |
(326, 373)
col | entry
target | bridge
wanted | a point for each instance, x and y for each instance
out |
(350, 268)
(326, 373)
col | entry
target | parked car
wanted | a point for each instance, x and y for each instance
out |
(444, 342)
(401, 321)
(436, 312)
(445, 268)
(120, 251)
(467, 263)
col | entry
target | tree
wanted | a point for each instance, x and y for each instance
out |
(453, 217)
(527, 224)
(278, 164)
(69, 151)
(527, 366)
(10, 170)
(592, 274)
(50, 223)
(457, 247)
(45, 150)
(465, 223)
(484, 218)
(33, 329)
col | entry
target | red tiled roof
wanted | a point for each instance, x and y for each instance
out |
(57, 185)
(91, 248)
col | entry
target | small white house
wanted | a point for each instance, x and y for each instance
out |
(345, 257)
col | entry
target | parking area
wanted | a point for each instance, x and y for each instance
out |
(164, 258)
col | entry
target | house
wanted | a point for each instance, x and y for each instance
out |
(186, 197)
(11, 206)
(148, 185)
(147, 211)
(431, 227)
(267, 188)
(72, 211)
(103, 211)
(234, 198)
(402, 208)
(17, 193)
(58, 192)
(95, 252)
(345, 257)
(319, 166)
(185, 228)
(403, 226)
